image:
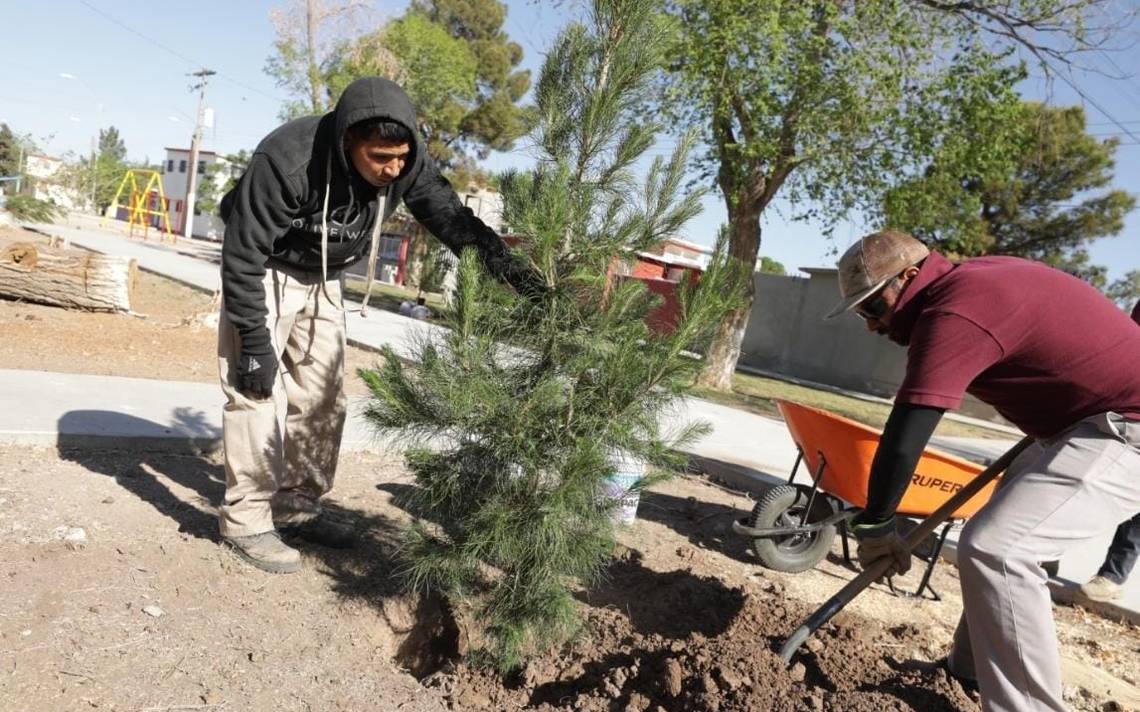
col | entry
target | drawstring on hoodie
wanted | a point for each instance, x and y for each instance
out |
(374, 242)
(374, 247)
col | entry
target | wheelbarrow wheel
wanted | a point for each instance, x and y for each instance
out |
(786, 506)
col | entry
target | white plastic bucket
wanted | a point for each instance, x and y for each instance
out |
(627, 470)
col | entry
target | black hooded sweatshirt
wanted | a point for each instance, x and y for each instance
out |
(273, 215)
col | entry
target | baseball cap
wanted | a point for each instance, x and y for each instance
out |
(871, 262)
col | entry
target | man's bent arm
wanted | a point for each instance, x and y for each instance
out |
(434, 203)
(905, 435)
(256, 213)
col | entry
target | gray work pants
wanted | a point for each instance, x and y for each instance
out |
(277, 468)
(1058, 494)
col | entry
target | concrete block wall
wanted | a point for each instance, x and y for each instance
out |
(787, 335)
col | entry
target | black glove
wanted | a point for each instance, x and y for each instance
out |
(879, 539)
(256, 372)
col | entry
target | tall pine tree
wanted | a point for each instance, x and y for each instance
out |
(517, 411)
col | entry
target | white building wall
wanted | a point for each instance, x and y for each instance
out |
(175, 174)
(44, 169)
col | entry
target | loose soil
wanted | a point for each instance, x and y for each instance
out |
(143, 610)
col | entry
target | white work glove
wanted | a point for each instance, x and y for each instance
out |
(880, 539)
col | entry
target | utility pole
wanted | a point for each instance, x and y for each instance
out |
(94, 174)
(195, 143)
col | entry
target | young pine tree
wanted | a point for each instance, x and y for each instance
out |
(518, 409)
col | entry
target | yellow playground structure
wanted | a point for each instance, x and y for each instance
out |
(143, 204)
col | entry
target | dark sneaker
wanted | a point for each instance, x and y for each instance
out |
(266, 551)
(322, 530)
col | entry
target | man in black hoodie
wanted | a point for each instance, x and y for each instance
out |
(311, 203)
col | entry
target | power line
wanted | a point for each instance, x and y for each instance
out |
(1087, 97)
(174, 52)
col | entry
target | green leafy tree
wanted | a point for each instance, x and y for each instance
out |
(826, 104)
(109, 168)
(9, 151)
(494, 121)
(103, 175)
(219, 178)
(1126, 290)
(434, 264)
(1050, 204)
(771, 266)
(460, 70)
(525, 399)
(111, 145)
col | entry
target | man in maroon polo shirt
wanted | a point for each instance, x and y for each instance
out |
(1058, 360)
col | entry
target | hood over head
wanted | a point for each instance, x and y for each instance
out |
(373, 98)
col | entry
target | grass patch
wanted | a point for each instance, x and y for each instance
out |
(755, 394)
(389, 296)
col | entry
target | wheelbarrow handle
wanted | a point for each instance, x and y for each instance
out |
(876, 570)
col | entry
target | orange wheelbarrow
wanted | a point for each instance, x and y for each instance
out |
(793, 525)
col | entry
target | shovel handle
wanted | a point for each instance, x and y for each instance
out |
(877, 569)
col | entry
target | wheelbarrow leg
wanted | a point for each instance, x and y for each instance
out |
(925, 585)
(796, 467)
(931, 560)
(846, 546)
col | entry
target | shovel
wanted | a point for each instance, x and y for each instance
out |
(876, 570)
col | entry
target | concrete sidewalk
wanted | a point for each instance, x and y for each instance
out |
(747, 450)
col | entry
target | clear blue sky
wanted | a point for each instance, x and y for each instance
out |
(126, 80)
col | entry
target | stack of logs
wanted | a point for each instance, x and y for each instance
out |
(48, 272)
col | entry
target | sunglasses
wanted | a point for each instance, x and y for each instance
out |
(875, 306)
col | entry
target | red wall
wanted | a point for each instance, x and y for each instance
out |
(663, 319)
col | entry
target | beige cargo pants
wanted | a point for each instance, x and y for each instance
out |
(1058, 494)
(281, 453)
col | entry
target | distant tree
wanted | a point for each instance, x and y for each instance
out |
(460, 70)
(1126, 290)
(308, 35)
(214, 187)
(104, 175)
(771, 266)
(1049, 204)
(111, 145)
(109, 169)
(494, 121)
(9, 151)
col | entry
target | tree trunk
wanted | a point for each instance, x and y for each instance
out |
(74, 279)
(724, 352)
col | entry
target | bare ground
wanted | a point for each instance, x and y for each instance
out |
(173, 337)
(145, 611)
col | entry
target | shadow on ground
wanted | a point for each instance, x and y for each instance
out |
(139, 467)
(144, 457)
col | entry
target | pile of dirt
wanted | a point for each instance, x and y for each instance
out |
(682, 641)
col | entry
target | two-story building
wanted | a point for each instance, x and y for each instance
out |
(213, 172)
